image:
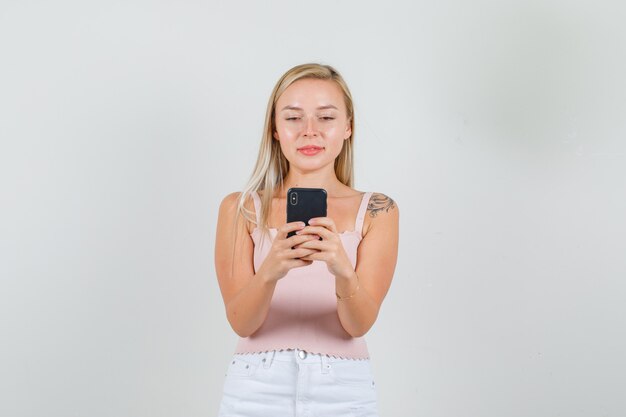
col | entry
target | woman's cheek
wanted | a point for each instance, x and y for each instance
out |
(290, 132)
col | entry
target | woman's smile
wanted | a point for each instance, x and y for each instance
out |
(310, 150)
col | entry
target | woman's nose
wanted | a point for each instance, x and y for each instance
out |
(311, 128)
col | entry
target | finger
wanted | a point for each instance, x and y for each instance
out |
(316, 244)
(317, 256)
(288, 227)
(327, 222)
(295, 240)
(302, 262)
(297, 262)
(301, 253)
(321, 231)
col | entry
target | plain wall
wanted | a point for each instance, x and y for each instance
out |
(497, 127)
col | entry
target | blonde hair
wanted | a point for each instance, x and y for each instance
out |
(271, 165)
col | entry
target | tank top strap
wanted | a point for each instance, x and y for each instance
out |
(257, 206)
(360, 217)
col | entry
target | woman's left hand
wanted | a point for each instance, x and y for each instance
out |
(329, 249)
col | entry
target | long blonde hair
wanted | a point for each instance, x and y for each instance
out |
(271, 165)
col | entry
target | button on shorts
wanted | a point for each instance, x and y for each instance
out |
(298, 383)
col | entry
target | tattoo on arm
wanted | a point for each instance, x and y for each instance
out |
(379, 202)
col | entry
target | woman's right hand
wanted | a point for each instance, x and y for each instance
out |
(284, 253)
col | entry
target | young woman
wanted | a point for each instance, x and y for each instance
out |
(301, 305)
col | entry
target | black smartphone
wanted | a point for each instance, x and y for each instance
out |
(305, 203)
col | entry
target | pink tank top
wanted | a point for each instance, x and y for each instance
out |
(303, 310)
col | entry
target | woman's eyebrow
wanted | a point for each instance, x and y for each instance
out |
(329, 106)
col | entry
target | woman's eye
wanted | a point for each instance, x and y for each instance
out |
(327, 118)
(292, 118)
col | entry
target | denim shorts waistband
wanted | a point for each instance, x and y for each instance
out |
(294, 356)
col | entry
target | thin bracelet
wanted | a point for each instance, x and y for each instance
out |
(358, 285)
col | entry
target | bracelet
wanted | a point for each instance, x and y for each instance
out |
(358, 285)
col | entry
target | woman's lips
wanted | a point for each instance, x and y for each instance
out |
(310, 151)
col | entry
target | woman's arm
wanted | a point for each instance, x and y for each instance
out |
(376, 262)
(247, 295)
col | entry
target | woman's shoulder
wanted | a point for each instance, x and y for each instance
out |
(229, 207)
(234, 197)
(231, 200)
(380, 203)
(382, 211)
(231, 197)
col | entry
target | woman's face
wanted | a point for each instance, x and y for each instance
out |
(311, 123)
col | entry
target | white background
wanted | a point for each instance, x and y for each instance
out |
(498, 127)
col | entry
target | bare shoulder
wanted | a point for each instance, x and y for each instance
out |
(382, 211)
(228, 207)
(231, 199)
(381, 203)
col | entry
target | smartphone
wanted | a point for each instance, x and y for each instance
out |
(305, 203)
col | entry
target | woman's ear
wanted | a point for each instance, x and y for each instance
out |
(348, 131)
(275, 135)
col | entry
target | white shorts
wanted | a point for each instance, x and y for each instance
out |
(296, 383)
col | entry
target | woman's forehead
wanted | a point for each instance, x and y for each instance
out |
(311, 92)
